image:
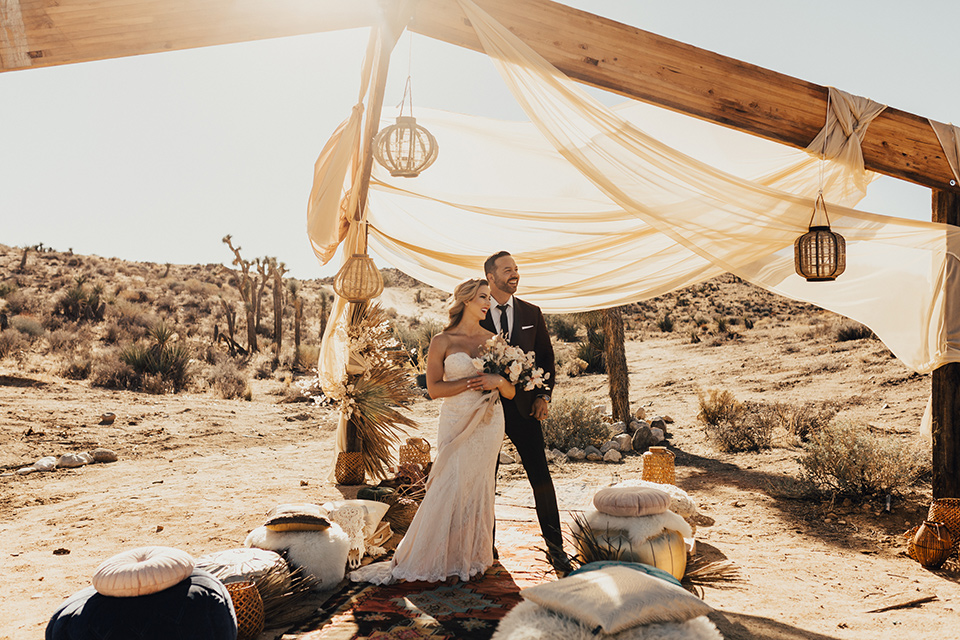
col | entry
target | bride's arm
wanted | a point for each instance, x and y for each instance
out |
(437, 387)
(493, 381)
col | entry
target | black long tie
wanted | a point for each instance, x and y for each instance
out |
(504, 321)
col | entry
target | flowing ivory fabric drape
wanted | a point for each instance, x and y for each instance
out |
(598, 212)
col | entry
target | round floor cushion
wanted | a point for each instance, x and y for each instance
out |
(247, 564)
(631, 501)
(142, 571)
(198, 608)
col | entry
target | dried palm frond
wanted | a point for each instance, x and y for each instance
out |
(282, 595)
(380, 391)
(377, 395)
(718, 574)
(592, 546)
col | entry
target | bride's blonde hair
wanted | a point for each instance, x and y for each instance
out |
(464, 293)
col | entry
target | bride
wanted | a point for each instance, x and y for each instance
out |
(451, 535)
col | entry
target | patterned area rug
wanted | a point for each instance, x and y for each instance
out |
(414, 610)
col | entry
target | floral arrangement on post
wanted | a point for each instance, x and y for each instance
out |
(376, 386)
(511, 362)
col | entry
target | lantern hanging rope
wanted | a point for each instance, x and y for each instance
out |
(405, 148)
(820, 255)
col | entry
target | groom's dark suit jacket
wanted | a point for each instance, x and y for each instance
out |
(529, 332)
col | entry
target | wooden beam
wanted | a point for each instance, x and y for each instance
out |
(41, 33)
(591, 49)
(945, 389)
(644, 66)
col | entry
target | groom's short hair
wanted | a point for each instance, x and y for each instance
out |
(491, 263)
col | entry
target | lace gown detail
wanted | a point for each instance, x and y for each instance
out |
(452, 532)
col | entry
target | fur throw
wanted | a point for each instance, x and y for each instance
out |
(638, 528)
(530, 621)
(680, 502)
(321, 554)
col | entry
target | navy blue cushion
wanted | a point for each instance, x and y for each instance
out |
(638, 566)
(198, 608)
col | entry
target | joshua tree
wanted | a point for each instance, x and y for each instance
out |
(277, 269)
(247, 287)
(293, 286)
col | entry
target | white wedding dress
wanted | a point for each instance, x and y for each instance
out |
(452, 532)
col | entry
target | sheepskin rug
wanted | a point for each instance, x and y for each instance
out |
(321, 554)
(638, 528)
(530, 621)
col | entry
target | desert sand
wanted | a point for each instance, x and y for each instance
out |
(198, 472)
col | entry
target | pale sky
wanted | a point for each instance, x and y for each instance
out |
(157, 157)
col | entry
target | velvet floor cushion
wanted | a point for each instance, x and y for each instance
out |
(198, 608)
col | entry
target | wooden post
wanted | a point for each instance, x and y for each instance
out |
(374, 107)
(945, 391)
(616, 360)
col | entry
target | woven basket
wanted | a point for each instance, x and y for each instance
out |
(249, 608)
(947, 511)
(932, 544)
(658, 466)
(416, 451)
(401, 513)
(349, 469)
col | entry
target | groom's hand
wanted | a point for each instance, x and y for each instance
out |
(540, 409)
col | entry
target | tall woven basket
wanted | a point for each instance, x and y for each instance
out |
(416, 451)
(947, 511)
(249, 609)
(349, 469)
(658, 466)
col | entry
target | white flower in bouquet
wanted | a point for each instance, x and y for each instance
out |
(511, 362)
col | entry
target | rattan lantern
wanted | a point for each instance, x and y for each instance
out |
(358, 279)
(405, 148)
(820, 255)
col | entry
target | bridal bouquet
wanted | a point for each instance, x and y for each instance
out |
(513, 363)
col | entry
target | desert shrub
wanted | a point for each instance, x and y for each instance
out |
(722, 326)
(19, 302)
(563, 327)
(166, 358)
(307, 356)
(846, 459)
(665, 323)
(112, 373)
(807, 418)
(65, 339)
(592, 350)
(194, 286)
(416, 339)
(264, 365)
(77, 368)
(748, 322)
(853, 331)
(6, 288)
(79, 303)
(28, 326)
(751, 429)
(227, 380)
(166, 303)
(574, 422)
(718, 405)
(12, 342)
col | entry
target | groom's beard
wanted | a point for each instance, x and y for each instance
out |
(508, 286)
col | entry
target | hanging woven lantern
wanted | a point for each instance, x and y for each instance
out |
(820, 255)
(405, 148)
(358, 279)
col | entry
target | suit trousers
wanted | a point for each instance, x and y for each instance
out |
(527, 436)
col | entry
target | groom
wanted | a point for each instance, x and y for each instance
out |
(523, 325)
